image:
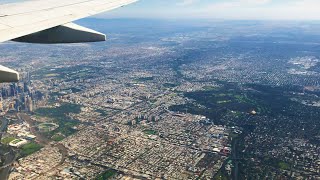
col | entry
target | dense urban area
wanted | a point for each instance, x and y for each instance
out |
(166, 100)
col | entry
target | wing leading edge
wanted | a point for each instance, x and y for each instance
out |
(49, 21)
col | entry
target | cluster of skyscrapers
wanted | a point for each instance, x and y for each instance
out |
(18, 96)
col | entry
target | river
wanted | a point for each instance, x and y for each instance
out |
(7, 153)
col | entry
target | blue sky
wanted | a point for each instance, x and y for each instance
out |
(221, 9)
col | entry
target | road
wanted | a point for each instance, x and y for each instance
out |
(235, 169)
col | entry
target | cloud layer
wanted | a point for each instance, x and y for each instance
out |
(223, 9)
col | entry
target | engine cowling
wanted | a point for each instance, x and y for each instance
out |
(8, 75)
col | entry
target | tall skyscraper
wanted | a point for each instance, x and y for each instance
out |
(17, 105)
(25, 101)
(19, 88)
(1, 105)
(28, 103)
(12, 90)
(25, 87)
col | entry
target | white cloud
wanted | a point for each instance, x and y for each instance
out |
(186, 2)
(257, 2)
(223, 9)
(239, 3)
(262, 9)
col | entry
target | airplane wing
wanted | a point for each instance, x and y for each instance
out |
(50, 21)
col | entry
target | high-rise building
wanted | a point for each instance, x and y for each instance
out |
(12, 90)
(1, 105)
(17, 105)
(25, 102)
(25, 87)
(28, 77)
(30, 104)
(4, 92)
(19, 88)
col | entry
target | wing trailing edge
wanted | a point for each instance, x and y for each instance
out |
(67, 33)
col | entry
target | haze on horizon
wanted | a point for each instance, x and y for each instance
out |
(220, 9)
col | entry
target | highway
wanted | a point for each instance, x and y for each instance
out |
(235, 160)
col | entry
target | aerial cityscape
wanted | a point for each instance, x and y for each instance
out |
(165, 100)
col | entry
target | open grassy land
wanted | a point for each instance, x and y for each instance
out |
(60, 117)
(7, 140)
(30, 148)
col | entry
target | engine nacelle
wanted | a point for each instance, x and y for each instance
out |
(8, 75)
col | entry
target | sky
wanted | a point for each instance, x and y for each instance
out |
(221, 9)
